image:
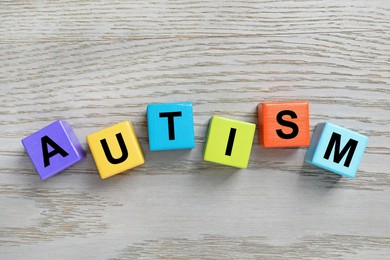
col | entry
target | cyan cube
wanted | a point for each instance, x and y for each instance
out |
(53, 149)
(170, 126)
(336, 149)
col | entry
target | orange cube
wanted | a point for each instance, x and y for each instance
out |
(284, 124)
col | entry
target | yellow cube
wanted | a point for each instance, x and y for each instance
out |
(229, 142)
(115, 149)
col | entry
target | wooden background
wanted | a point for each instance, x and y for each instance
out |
(97, 63)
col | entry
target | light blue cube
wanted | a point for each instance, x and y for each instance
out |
(336, 149)
(170, 126)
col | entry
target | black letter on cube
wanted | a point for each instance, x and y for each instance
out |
(171, 124)
(108, 154)
(56, 150)
(283, 122)
(229, 146)
(350, 147)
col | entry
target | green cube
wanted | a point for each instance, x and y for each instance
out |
(229, 142)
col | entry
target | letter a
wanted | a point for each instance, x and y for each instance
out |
(56, 150)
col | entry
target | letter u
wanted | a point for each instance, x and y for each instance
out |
(122, 145)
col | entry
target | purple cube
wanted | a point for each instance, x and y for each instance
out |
(53, 149)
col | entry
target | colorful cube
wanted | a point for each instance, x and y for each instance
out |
(115, 149)
(336, 149)
(53, 149)
(284, 124)
(229, 142)
(170, 126)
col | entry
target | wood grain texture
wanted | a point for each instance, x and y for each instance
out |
(96, 63)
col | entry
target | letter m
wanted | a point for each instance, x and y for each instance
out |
(349, 148)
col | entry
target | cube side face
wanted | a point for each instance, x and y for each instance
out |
(66, 152)
(340, 150)
(314, 142)
(227, 146)
(170, 126)
(73, 139)
(115, 149)
(285, 124)
(260, 121)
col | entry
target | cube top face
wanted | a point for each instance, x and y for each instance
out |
(53, 149)
(336, 149)
(284, 124)
(229, 142)
(115, 149)
(170, 126)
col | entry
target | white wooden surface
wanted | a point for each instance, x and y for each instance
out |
(96, 63)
